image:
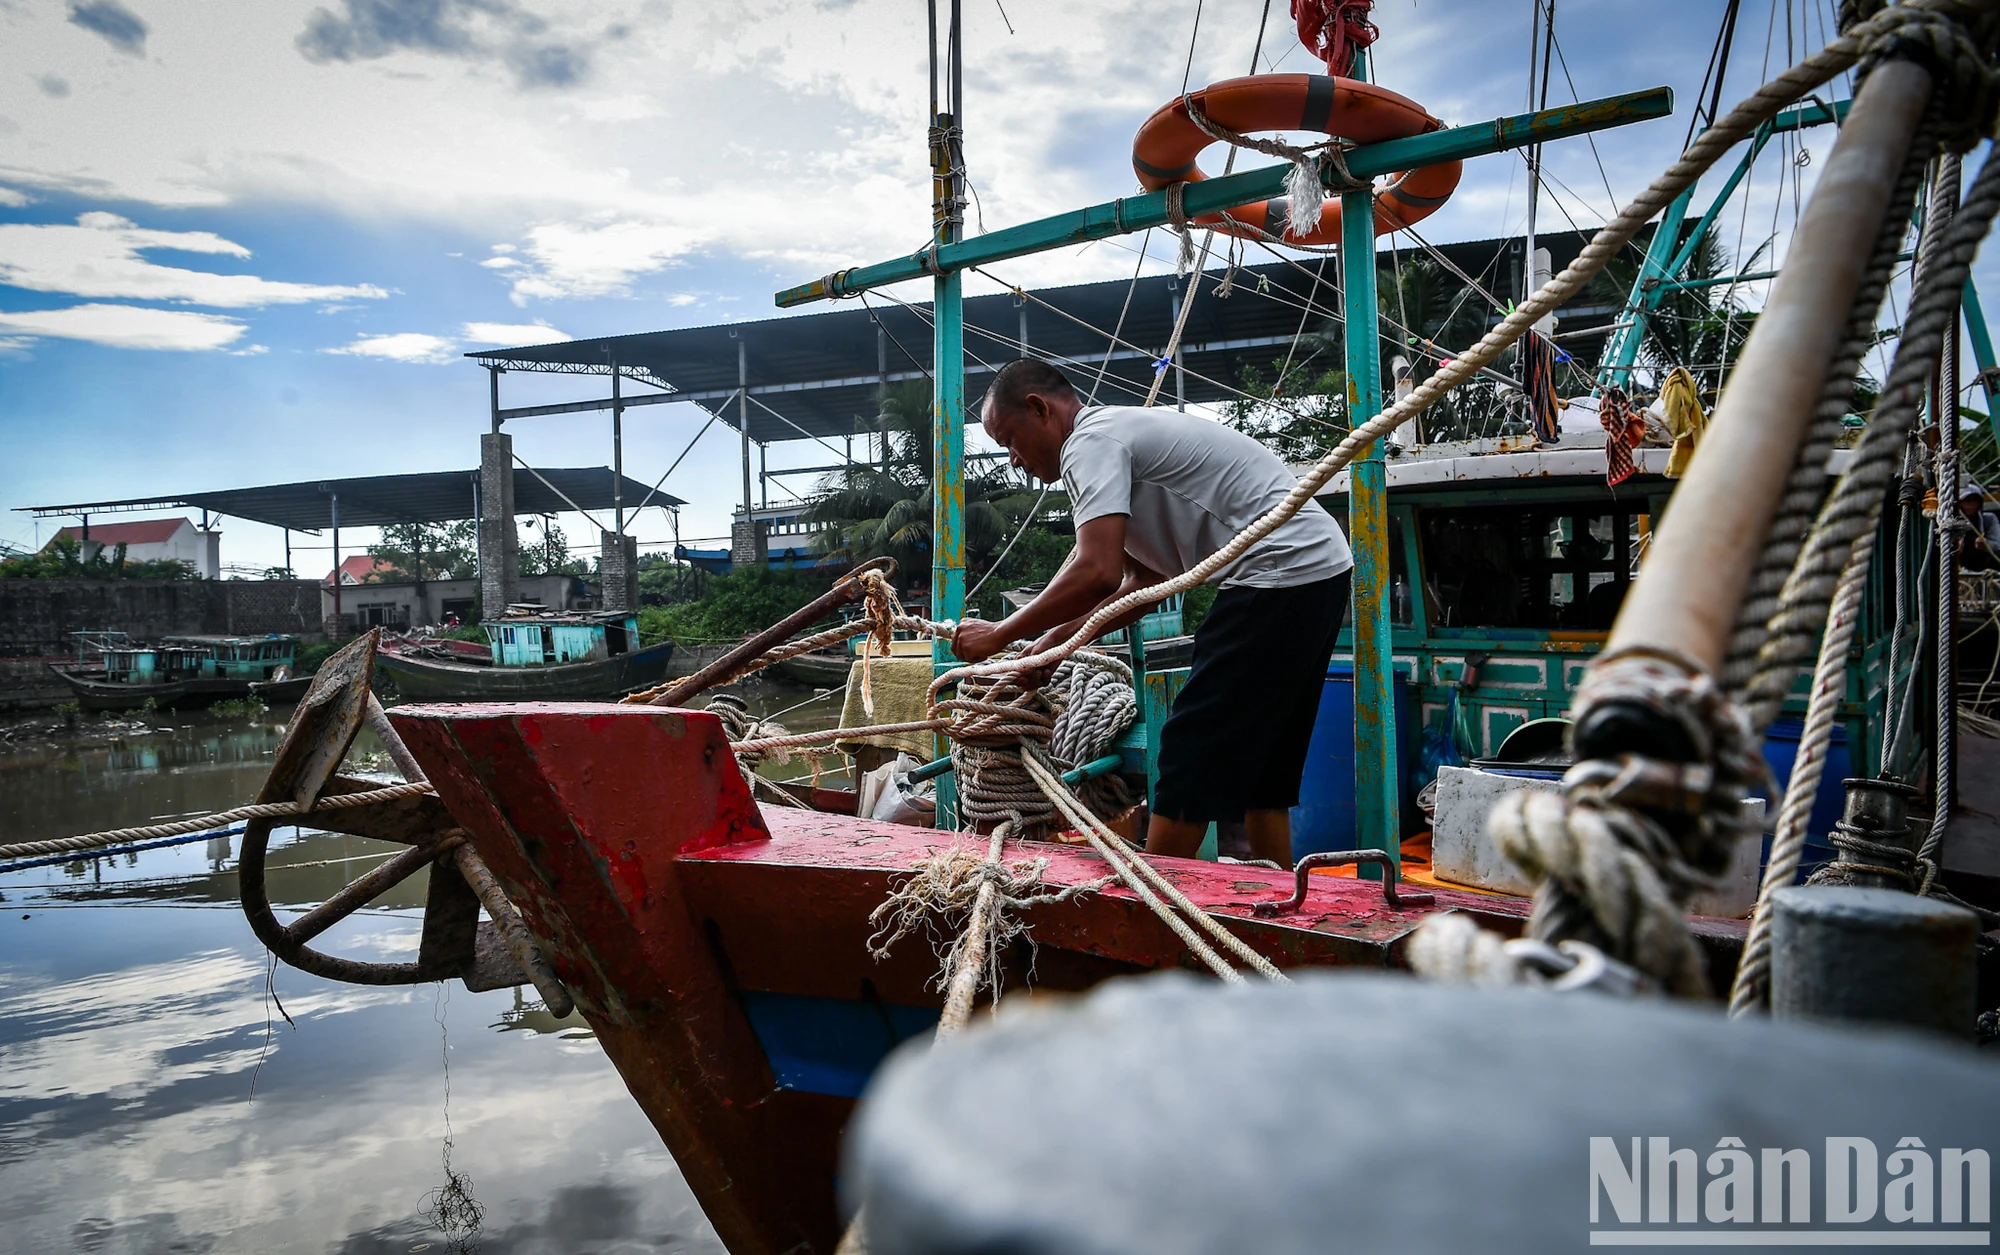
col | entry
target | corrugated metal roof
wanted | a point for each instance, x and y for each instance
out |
(819, 374)
(378, 500)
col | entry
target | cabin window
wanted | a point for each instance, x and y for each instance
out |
(614, 639)
(1402, 610)
(1542, 566)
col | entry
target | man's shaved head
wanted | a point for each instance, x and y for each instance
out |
(1025, 377)
(1029, 409)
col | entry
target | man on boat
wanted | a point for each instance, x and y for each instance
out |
(1154, 492)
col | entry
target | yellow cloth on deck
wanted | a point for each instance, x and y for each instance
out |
(900, 687)
(1680, 397)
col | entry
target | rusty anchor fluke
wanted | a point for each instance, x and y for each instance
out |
(1391, 894)
(455, 944)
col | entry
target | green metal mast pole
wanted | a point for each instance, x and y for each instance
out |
(1377, 823)
(1664, 261)
(1135, 213)
(948, 399)
(1616, 368)
(1982, 353)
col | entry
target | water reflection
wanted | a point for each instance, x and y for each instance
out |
(157, 1095)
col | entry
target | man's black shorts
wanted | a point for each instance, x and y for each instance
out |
(1236, 740)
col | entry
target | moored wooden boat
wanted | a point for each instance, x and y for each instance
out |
(281, 690)
(95, 690)
(182, 672)
(428, 679)
(722, 951)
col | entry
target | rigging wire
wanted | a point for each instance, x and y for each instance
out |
(1589, 138)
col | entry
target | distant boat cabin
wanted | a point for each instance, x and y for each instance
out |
(532, 637)
(178, 658)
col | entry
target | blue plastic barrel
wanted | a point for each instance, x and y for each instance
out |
(1324, 817)
(1781, 747)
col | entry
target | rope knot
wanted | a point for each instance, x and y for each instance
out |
(1630, 839)
(1305, 185)
(1955, 40)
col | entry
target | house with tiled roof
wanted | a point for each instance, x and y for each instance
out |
(152, 540)
(358, 568)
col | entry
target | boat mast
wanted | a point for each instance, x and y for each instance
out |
(1541, 43)
(947, 356)
(1377, 804)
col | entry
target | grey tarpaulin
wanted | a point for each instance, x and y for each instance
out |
(1358, 1113)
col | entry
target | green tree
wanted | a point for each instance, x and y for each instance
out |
(734, 605)
(549, 553)
(428, 551)
(63, 559)
(666, 581)
(1701, 328)
(871, 511)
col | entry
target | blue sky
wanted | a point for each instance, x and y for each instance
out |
(246, 243)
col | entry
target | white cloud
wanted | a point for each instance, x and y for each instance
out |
(102, 256)
(587, 259)
(12, 199)
(404, 346)
(512, 335)
(128, 326)
(630, 108)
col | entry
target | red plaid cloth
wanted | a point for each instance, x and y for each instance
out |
(1623, 430)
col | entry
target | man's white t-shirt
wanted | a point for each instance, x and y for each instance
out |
(1188, 485)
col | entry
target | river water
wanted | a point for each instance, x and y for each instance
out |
(164, 1089)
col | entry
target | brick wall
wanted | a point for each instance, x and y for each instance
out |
(37, 616)
(258, 607)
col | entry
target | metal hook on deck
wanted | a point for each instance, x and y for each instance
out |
(1342, 858)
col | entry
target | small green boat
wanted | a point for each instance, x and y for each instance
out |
(537, 656)
(181, 672)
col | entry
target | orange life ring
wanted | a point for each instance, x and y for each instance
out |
(1165, 148)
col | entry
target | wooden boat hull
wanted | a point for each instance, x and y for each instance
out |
(815, 670)
(425, 679)
(281, 692)
(722, 953)
(93, 694)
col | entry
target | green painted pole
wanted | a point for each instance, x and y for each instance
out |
(1664, 260)
(1814, 114)
(1982, 353)
(1136, 213)
(948, 447)
(947, 436)
(1615, 368)
(1377, 822)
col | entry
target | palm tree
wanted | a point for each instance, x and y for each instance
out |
(869, 511)
(1701, 328)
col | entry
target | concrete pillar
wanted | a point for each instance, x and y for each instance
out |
(618, 568)
(499, 547)
(748, 546)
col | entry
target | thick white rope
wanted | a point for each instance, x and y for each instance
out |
(1829, 686)
(1126, 862)
(181, 827)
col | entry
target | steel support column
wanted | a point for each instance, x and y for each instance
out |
(333, 506)
(617, 455)
(743, 419)
(1377, 824)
